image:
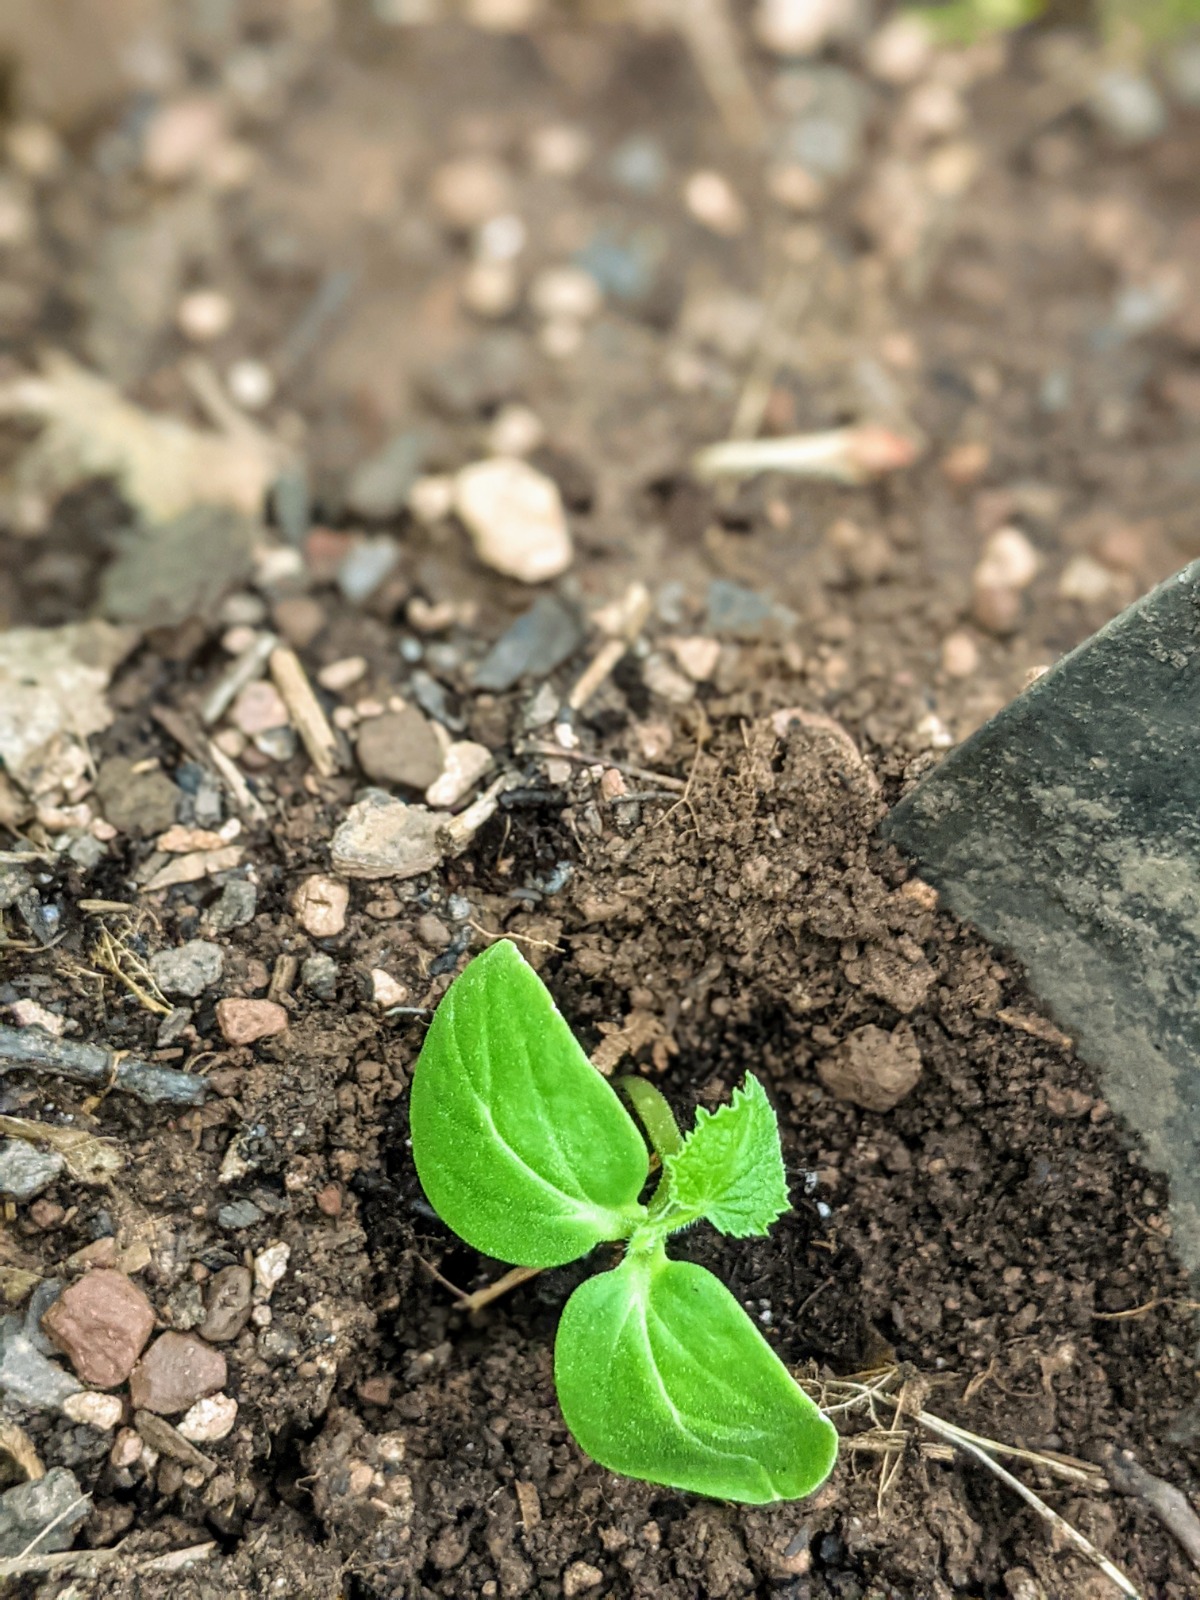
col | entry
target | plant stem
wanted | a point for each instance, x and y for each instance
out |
(656, 1115)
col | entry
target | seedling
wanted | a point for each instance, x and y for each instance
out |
(527, 1152)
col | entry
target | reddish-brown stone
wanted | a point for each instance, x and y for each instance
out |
(101, 1323)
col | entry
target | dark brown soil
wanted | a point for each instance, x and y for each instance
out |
(983, 1233)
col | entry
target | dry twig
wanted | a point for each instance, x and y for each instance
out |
(1169, 1504)
(98, 1067)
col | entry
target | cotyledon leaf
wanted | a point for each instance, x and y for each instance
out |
(730, 1168)
(692, 1395)
(520, 1144)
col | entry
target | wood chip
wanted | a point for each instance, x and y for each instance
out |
(304, 709)
(1037, 1027)
(530, 1503)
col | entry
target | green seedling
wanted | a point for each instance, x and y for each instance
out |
(527, 1152)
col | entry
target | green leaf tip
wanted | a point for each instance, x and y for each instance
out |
(730, 1169)
(520, 1144)
(526, 1151)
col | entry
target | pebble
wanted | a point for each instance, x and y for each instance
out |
(341, 675)
(960, 655)
(386, 991)
(141, 804)
(640, 165)
(400, 747)
(204, 314)
(209, 1419)
(383, 837)
(901, 50)
(872, 1068)
(45, 1512)
(180, 136)
(469, 190)
(227, 1304)
(432, 931)
(466, 763)
(804, 27)
(251, 385)
(515, 517)
(579, 1577)
(714, 202)
(432, 498)
(26, 1376)
(318, 974)
(997, 610)
(1009, 561)
(559, 149)
(239, 1214)
(234, 908)
(378, 488)
(697, 656)
(101, 1323)
(258, 708)
(664, 680)
(1127, 106)
(796, 188)
(1084, 579)
(25, 1170)
(366, 564)
(320, 905)
(189, 969)
(329, 1200)
(126, 1449)
(269, 1268)
(244, 1021)
(515, 431)
(176, 1371)
(491, 289)
(565, 293)
(29, 1014)
(34, 149)
(100, 1411)
(540, 640)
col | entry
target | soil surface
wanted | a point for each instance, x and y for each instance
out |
(989, 272)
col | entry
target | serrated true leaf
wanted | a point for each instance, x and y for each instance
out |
(520, 1144)
(691, 1396)
(730, 1169)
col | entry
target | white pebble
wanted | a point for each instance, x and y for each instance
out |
(339, 675)
(515, 431)
(204, 314)
(466, 763)
(664, 680)
(468, 191)
(34, 149)
(802, 27)
(697, 656)
(515, 517)
(491, 289)
(209, 1419)
(385, 990)
(1009, 561)
(251, 385)
(269, 1267)
(1086, 580)
(559, 150)
(714, 202)
(431, 498)
(17, 222)
(901, 50)
(320, 905)
(501, 238)
(101, 1411)
(565, 293)
(960, 655)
